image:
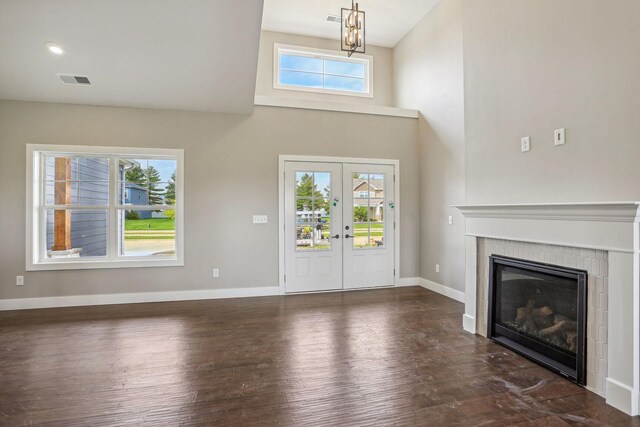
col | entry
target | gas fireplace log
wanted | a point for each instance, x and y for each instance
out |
(533, 319)
(525, 318)
(543, 317)
(559, 327)
(571, 340)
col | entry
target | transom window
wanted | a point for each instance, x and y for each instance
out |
(96, 207)
(315, 70)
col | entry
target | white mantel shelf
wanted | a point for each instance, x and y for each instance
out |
(610, 226)
(583, 211)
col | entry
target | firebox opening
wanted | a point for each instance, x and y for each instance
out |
(539, 311)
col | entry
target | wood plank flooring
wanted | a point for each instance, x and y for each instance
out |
(379, 357)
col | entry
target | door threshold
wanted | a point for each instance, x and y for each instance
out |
(327, 291)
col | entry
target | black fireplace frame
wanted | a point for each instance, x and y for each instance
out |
(573, 368)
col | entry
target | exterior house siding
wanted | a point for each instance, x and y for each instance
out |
(90, 186)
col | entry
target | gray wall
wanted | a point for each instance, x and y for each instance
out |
(532, 66)
(382, 70)
(428, 76)
(231, 167)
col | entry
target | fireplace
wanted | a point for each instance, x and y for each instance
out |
(540, 311)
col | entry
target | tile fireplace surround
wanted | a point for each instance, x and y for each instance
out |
(602, 238)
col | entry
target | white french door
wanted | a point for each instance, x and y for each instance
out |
(313, 224)
(338, 226)
(368, 247)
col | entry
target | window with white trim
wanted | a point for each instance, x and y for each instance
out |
(101, 207)
(322, 71)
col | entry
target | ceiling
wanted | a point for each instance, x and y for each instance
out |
(387, 21)
(196, 55)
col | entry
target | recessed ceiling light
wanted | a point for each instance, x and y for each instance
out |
(54, 48)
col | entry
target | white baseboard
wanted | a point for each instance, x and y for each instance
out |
(621, 397)
(442, 289)
(139, 297)
(407, 281)
(469, 323)
(129, 298)
(432, 286)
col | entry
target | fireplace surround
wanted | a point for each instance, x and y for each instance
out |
(540, 311)
(605, 237)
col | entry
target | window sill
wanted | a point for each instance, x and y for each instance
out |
(96, 264)
(305, 104)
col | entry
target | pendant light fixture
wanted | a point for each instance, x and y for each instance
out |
(352, 31)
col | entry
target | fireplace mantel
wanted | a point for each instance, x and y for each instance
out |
(598, 211)
(610, 226)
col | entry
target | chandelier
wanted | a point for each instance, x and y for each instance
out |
(352, 30)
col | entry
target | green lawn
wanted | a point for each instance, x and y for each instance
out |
(373, 225)
(150, 224)
(156, 237)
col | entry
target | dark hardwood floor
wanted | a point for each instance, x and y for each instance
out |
(381, 357)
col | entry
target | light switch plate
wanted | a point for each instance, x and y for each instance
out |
(525, 144)
(558, 137)
(450, 219)
(259, 219)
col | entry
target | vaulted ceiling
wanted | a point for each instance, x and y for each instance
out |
(196, 55)
(387, 21)
(173, 54)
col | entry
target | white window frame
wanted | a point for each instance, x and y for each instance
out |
(36, 226)
(367, 60)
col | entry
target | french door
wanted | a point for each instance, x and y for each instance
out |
(339, 226)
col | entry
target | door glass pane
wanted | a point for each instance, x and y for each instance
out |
(360, 185)
(360, 223)
(304, 237)
(322, 182)
(322, 239)
(377, 185)
(304, 208)
(376, 223)
(313, 210)
(304, 184)
(368, 210)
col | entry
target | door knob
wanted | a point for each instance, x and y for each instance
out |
(337, 236)
(346, 236)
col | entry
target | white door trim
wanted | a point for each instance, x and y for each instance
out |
(330, 159)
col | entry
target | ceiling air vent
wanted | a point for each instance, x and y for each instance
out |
(70, 79)
(333, 19)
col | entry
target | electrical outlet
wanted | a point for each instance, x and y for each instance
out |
(216, 272)
(558, 137)
(525, 144)
(19, 280)
(437, 268)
